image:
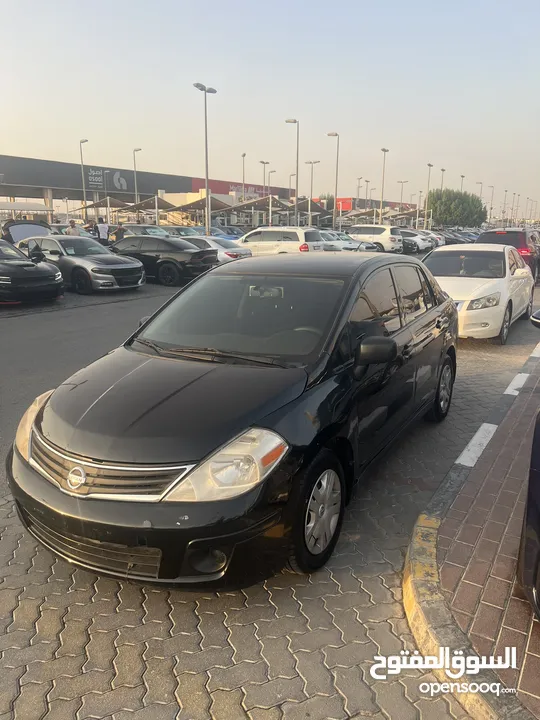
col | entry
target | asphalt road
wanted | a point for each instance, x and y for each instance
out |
(290, 647)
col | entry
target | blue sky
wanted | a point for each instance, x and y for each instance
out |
(455, 84)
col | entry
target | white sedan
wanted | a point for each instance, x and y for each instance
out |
(490, 285)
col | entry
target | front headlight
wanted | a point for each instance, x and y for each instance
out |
(58, 276)
(485, 302)
(236, 468)
(100, 271)
(22, 438)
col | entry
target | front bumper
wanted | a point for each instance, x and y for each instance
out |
(479, 324)
(167, 543)
(21, 293)
(111, 282)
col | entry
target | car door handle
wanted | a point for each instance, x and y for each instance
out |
(440, 325)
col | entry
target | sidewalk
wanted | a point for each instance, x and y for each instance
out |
(476, 524)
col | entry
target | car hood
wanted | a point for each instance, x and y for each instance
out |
(26, 268)
(130, 407)
(107, 259)
(469, 288)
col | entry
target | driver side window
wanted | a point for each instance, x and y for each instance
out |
(512, 263)
(47, 245)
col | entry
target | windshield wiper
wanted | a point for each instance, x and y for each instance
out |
(149, 343)
(217, 354)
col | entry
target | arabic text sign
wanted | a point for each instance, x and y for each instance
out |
(455, 665)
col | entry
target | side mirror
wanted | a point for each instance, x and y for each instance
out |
(143, 320)
(113, 249)
(36, 256)
(535, 319)
(375, 351)
(56, 253)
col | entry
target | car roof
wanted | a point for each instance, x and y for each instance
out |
(321, 264)
(472, 247)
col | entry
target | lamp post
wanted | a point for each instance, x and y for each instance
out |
(481, 188)
(85, 213)
(418, 208)
(512, 208)
(430, 165)
(312, 163)
(367, 190)
(374, 208)
(462, 179)
(492, 188)
(384, 151)
(290, 184)
(106, 196)
(402, 183)
(517, 208)
(413, 195)
(297, 123)
(358, 192)
(270, 199)
(67, 209)
(504, 208)
(243, 177)
(443, 170)
(136, 150)
(264, 163)
(336, 135)
(206, 91)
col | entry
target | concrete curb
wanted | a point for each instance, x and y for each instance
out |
(431, 620)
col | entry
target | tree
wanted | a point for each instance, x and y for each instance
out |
(452, 207)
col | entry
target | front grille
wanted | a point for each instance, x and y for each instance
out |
(82, 476)
(122, 560)
(32, 281)
(126, 272)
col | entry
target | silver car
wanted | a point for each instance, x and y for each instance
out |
(87, 266)
(227, 249)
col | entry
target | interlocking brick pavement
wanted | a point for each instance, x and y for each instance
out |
(78, 646)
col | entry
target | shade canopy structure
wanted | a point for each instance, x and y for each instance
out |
(316, 208)
(110, 202)
(261, 205)
(148, 204)
(20, 206)
(216, 205)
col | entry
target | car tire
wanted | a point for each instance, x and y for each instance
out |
(443, 398)
(322, 489)
(168, 275)
(536, 278)
(81, 282)
(529, 309)
(502, 337)
(379, 247)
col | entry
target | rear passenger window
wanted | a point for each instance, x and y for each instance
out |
(376, 310)
(289, 236)
(150, 244)
(411, 292)
(312, 236)
(429, 295)
(270, 236)
(519, 260)
(376, 231)
(512, 264)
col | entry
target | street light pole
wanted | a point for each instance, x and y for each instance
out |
(136, 150)
(492, 187)
(264, 163)
(367, 190)
(106, 196)
(418, 208)
(206, 91)
(374, 208)
(443, 170)
(384, 151)
(402, 183)
(270, 199)
(462, 179)
(85, 212)
(243, 177)
(336, 135)
(517, 209)
(358, 192)
(504, 208)
(481, 188)
(312, 163)
(512, 209)
(430, 165)
(290, 184)
(297, 123)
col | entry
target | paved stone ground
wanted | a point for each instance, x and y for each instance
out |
(478, 546)
(77, 646)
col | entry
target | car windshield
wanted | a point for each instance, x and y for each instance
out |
(222, 242)
(502, 237)
(285, 317)
(79, 247)
(466, 264)
(180, 244)
(157, 231)
(8, 252)
(184, 231)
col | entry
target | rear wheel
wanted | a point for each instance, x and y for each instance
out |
(168, 275)
(379, 247)
(319, 516)
(81, 283)
(443, 398)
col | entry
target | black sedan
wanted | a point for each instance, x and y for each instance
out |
(231, 428)
(168, 260)
(23, 279)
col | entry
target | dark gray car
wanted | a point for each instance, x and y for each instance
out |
(87, 266)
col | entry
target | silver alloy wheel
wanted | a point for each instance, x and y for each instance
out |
(445, 388)
(506, 324)
(322, 512)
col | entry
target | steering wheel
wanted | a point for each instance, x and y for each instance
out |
(307, 328)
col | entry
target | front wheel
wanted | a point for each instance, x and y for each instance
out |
(529, 309)
(321, 505)
(81, 283)
(443, 398)
(502, 337)
(168, 275)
